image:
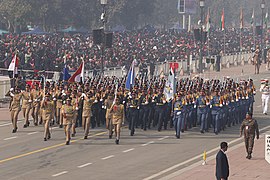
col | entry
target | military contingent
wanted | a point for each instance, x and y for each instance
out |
(211, 105)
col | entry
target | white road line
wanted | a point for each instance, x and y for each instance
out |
(54, 127)
(7, 124)
(193, 159)
(59, 174)
(32, 133)
(151, 142)
(108, 157)
(84, 165)
(165, 137)
(14, 137)
(128, 150)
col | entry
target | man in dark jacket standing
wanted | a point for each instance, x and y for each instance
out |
(222, 165)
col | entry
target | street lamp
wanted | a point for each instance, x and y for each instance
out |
(262, 36)
(201, 43)
(103, 20)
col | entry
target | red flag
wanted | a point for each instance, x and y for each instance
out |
(222, 21)
(14, 64)
(173, 66)
(76, 77)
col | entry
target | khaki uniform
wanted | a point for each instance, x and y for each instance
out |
(37, 96)
(68, 113)
(250, 127)
(59, 104)
(27, 101)
(118, 115)
(108, 104)
(15, 108)
(47, 115)
(86, 115)
(74, 103)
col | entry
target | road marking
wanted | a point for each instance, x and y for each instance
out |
(7, 124)
(14, 137)
(165, 137)
(193, 159)
(59, 174)
(54, 127)
(32, 133)
(151, 142)
(108, 157)
(45, 149)
(128, 150)
(84, 165)
(259, 106)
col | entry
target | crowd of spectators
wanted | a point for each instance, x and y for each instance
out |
(50, 51)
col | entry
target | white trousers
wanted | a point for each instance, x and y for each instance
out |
(265, 99)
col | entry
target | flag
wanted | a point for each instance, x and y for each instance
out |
(169, 89)
(14, 64)
(76, 77)
(131, 76)
(208, 21)
(241, 19)
(252, 18)
(222, 21)
(66, 74)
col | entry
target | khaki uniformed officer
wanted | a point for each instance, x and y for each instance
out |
(118, 115)
(250, 127)
(37, 96)
(107, 105)
(68, 113)
(47, 115)
(86, 115)
(15, 107)
(27, 100)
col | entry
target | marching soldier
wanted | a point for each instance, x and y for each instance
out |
(26, 104)
(118, 116)
(59, 103)
(250, 128)
(216, 105)
(68, 113)
(200, 104)
(15, 106)
(75, 104)
(47, 107)
(37, 95)
(178, 115)
(107, 105)
(145, 99)
(86, 114)
(265, 96)
(160, 101)
(133, 107)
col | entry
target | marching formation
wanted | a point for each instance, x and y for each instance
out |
(212, 105)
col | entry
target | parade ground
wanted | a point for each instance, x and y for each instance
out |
(146, 155)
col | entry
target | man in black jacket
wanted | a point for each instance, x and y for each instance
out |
(222, 165)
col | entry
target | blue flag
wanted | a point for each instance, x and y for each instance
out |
(131, 76)
(66, 74)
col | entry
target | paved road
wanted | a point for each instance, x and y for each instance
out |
(147, 155)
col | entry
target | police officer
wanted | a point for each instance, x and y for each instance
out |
(47, 107)
(37, 96)
(15, 106)
(86, 114)
(118, 116)
(68, 113)
(250, 128)
(27, 100)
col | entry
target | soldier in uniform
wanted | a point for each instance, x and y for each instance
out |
(145, 99)
(160, 109)
(68, 113)
(133, 107)
(107, 105)
(265, 96)
(37, 96)
(250, 128)
(200, 104)
(59, 103)
(75, 104)
(15, 106)
(47, 107)
(27, 100)
(118, 116)
(86, 114)
(178, 115)
(216, 105)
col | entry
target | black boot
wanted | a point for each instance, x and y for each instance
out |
(117, 141)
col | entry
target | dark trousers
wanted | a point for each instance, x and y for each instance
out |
(133, 116)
